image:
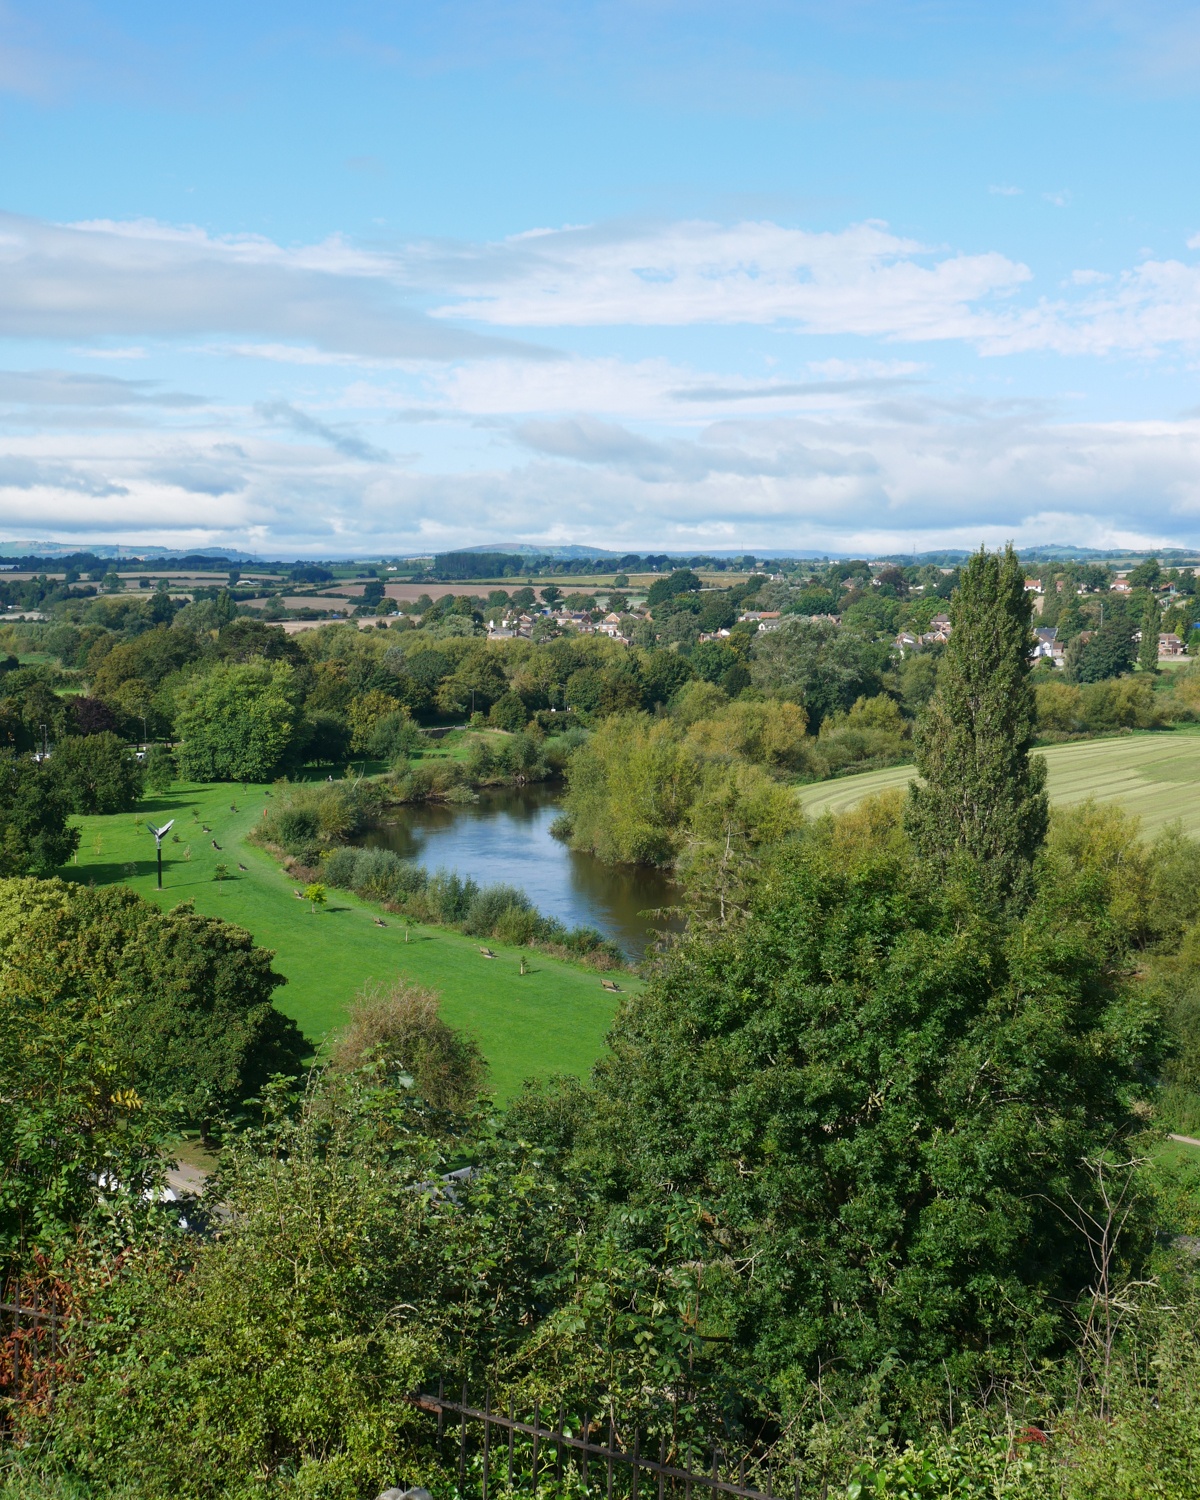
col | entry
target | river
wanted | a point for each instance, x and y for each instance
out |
(505, 837)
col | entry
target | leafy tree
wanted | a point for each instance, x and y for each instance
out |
(365, 713)
(551, 594)
(1104, 653)
(97, 773)
(983, 799)
(34, 837)
(314, 894)
(681, 581)
(237, 721)
(160, 768)
(630, 789)
(194, 1028)
(1146, 574)
(819, 666)
(1151, 625)
(878, 1103)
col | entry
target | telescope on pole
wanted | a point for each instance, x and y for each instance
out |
(158, 838)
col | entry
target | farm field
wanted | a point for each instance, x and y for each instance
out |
(1155, 775)
(551, 1020)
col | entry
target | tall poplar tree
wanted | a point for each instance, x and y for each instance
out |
(981, 810)
(1151, 625)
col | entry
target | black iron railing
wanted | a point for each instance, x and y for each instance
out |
(509, 1453)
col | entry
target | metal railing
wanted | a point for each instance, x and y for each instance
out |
(30, 1325)
(605, 1464)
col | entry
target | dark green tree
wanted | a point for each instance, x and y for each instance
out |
(1151, 625)
(194, 1026)
(34, 837)
(878, 1105)
(981, 809)
(97, 773)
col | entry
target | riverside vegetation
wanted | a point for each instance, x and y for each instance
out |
(868, 1178)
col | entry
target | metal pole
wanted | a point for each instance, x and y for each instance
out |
(158, 845)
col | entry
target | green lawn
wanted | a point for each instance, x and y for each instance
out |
(552, 1019)
(1156, 775)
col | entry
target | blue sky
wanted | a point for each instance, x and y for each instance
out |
(328, 279)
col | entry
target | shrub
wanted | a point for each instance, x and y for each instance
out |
(400, 1028)
(509, 712)
(490, 904)
(1059, 707)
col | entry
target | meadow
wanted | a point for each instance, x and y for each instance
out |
(1155, 774)
(552, 1019)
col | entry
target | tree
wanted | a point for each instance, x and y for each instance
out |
(97, 773)
(34, 837)
(1104, 653)
(160, 768)
(551, 594)
(314, 894)
(1151, 624)
(876, 1104)
(237, 721)
(982, 805)
(194, 1027)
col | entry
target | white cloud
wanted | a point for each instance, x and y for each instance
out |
(104, 279)
(1006, 192)
(862, 280)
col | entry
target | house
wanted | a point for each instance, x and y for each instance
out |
(1169, 645)
(1121, 585)
(1049, 647)
(760, 614)
(1033, 585)
(906, 642)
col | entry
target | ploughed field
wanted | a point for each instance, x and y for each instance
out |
(552, 1019)
(1155, 775)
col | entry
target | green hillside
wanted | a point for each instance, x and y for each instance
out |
(1156, 775)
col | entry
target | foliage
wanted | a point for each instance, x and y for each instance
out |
(982, 807)
(630, 789)
(1151, 625)
(34, 836)
(879, 1101)
(278, 1353)
(188, 998)
(398, 1027)
(97, 773)
(236, 721)
(820, 666)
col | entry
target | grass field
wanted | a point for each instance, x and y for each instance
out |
(552, 1019)
(1156, 775)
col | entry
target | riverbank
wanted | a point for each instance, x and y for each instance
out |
(553, 1018)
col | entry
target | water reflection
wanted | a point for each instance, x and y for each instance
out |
(505, 836)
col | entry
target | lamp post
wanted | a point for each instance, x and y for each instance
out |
(158, 838)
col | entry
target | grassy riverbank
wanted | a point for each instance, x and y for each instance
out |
(1153, 774)
(551, 1019)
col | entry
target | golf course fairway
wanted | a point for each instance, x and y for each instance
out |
(1155, 774)
(552, 1019)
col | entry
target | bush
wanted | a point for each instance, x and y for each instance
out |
(490, 904)
(399, 1028)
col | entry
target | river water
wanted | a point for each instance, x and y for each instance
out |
(505, 837)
